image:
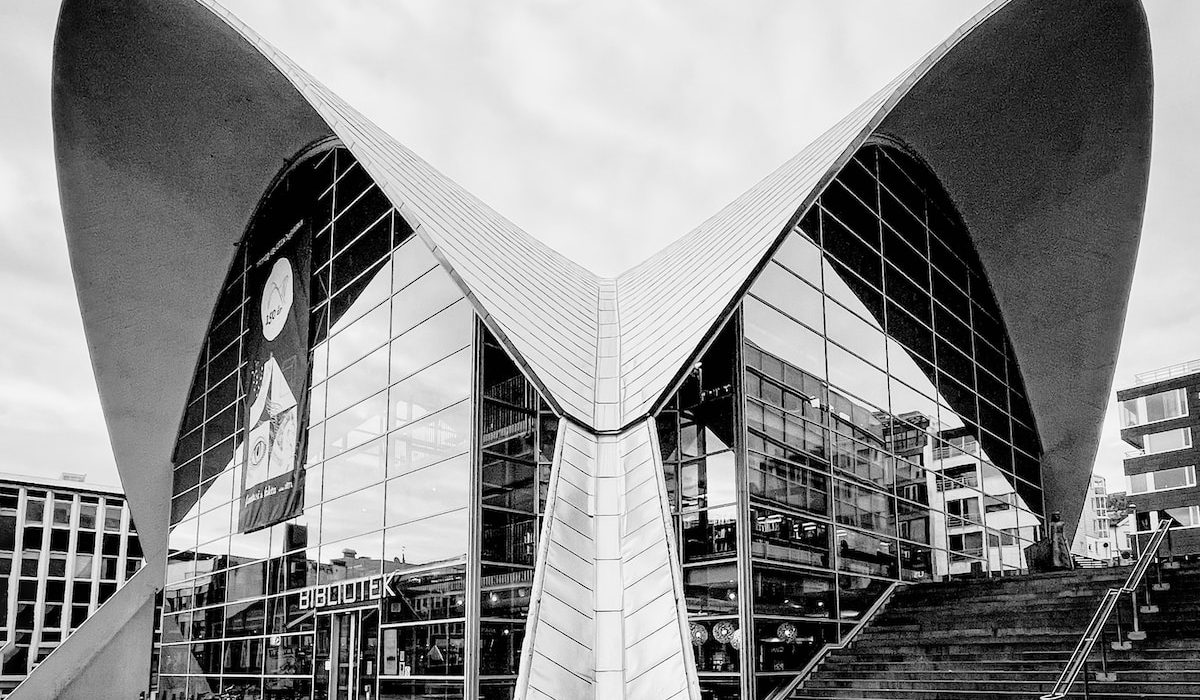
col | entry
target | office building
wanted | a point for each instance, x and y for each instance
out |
(1159, 416)
(65, 548)
(397, 448)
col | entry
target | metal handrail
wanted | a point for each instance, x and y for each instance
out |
(1095, 628)
(788, 688)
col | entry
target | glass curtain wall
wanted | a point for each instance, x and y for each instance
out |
(517, 433)
(884, 431)
(698, 438)
(389, 468)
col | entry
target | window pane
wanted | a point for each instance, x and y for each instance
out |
(1169, 404)
(441, 335)
(786, 292)
(429, 294)
(430, 390)
(710, 534)
(439, 538)
(708, 482)
(793, 593)
(711, 589)
(774, 333)
(1168, 440)
(789, 538)
(430, 439)
(429, 491)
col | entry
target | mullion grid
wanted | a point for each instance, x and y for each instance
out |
(972, 308)
(208, 382)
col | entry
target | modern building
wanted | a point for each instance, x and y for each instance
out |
(65, 548)
(1160, 414)
(1094, 537)
(391, 446)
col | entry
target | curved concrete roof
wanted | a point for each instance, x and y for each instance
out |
(172, 118)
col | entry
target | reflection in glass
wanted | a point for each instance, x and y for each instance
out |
(709, 534)
(793, 593)
(430, 594)
(431, 540)
(716, 644)
(789, 538)
(711, 589)
(787, 645)
(426, 650)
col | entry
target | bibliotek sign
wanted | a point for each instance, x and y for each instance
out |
(363, 590)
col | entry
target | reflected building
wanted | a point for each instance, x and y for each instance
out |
(427, 457)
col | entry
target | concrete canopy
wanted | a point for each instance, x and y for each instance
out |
(171, 119)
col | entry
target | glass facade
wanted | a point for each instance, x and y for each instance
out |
(401, 487)
(63, 552)
(860, 421)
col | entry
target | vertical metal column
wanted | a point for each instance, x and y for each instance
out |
(744, 523)
(472, 584)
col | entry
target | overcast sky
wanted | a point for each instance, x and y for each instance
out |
(606, 129)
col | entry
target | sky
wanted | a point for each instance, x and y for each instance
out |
(606, 129)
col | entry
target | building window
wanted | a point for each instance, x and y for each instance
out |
(87, 517)
(35, 509)
(1005, 538)
(963, 511)
(1000, 502)
(1148, 521)
(1167, 441)
(956, 447)
(1163, 480)
(112, 518)
(62, 512)
(966, 476)
(1154, 408)
(966, 545)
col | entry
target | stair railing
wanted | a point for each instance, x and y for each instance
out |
(1095, 628)
(782, 692)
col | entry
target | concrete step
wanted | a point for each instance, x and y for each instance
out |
(1030, 688)
(1011, 638)
(942, 694)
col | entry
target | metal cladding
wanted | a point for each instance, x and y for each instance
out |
(172, 118)
(608, 619)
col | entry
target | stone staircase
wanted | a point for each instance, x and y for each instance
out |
(1011, 637)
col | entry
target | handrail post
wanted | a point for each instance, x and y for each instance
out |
(1120, 630)
(1104, 651)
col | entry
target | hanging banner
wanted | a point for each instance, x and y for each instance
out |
(277, 373)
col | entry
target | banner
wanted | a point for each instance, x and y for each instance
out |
(277, 374)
